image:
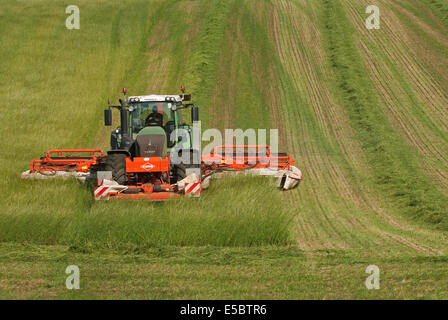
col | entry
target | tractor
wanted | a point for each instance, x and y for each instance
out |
(152, 149)
(154, 156)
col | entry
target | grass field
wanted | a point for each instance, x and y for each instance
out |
(363, 112)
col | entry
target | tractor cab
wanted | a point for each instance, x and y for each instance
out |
(151, 133)
(162, 111)
(155, 114)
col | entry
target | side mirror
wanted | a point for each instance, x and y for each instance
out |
(194, 114)
(107, 117)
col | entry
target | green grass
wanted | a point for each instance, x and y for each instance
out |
(223, 216)
(440, 9)
(38, 272)
(395, 167)
(292, 65)
(97, 62)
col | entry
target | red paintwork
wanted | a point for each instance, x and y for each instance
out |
(147, 196)
(148, 164)
(151, 174)
(67, 160)
(251, 156)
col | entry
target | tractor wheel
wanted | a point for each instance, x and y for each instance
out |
(180, 171)
(116, 162)
(181, 167)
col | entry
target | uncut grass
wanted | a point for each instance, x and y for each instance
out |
(45, 213)
(235, 211)
(54, 84)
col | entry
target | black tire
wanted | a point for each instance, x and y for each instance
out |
(116, 162)
(179, 168)
(180, 171)
(176, 157)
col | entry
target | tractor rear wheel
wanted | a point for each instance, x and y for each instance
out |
(180, 171)
(116, 162)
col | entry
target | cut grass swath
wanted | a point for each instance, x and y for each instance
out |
(396, 170)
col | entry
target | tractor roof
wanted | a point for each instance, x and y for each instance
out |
(155, 98)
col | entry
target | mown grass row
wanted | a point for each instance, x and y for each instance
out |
(396, 169)
(201, 69)
(38, 272)
(439, 8)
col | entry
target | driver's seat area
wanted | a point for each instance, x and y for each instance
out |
(155, 119)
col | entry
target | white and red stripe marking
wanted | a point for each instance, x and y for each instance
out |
(102, 192)
(193, 189)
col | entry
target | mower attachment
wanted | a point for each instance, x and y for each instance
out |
(253, 160)
(63, 163)
(109, 189)
(244, 159)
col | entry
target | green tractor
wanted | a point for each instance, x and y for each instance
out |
(152, 146)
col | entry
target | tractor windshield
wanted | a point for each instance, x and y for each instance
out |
(143, 109)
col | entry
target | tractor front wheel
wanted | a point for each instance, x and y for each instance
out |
(180, 171)
(116, 162)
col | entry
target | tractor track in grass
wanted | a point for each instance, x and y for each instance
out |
(159, 62)
(320, 99)
(435, 33)
(423, 81)
(433, 149)
(394, 49)
(413, 131)
(324, 231)
(223, 97)
(345, 48)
